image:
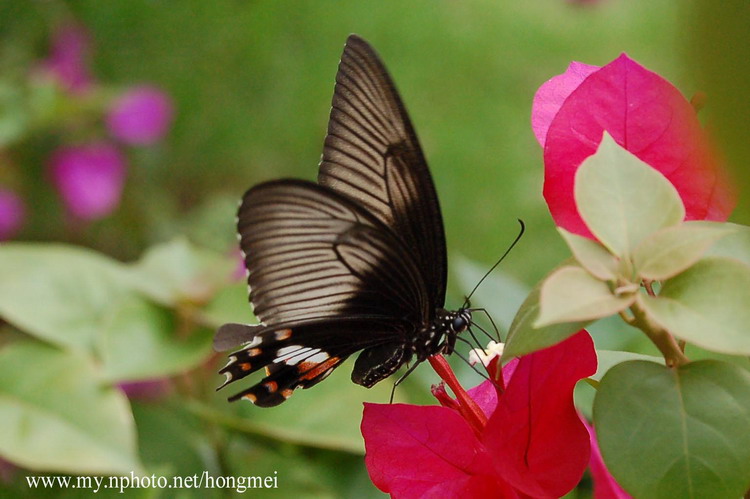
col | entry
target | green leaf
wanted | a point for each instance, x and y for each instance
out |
(172, 440)
(735, 245)
(707, 305)
(607, 359)
(591, 255)
(524, 337)
(177, 271)
(328, 417)
(230, 304)
(303, 475)
(59, 293)
(58, 415)
(622, 199)
(14, 119)
(141, 340)
(684, 432)
(570, 294)
(668, 252)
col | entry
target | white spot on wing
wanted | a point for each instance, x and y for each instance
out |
(256, 341)
(293, 354)
(232, 360)
(318, 358)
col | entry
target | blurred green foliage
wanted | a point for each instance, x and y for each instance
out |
(252, 83)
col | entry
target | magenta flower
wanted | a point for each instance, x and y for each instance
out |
(146, 390)
(141, 116)
(605, 486)
(525, 440)
(8, 471)
(68, 58)
(646, 115)
(12, 214)
(90, 178)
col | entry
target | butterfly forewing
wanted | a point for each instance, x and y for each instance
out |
(372, 155)
(311, 254)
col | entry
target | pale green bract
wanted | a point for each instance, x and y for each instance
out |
(708, 304)
(571, 294)
(622, 199)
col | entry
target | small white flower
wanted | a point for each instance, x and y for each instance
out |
(477, 355)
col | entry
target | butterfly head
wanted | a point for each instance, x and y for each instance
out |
(461, 321)
(446, 328)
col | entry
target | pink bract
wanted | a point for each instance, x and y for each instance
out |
(551, 95)
(646, 115)
(533, 443)
(90, 178)
(605, 486)
(141, 116)
(12, 214)
(68, 58)
(146, 390)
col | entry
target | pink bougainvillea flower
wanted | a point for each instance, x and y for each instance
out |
(605, 486)
(140, 116)
(146, 390)
(68, 58)
(12, 214)
(525, 439)
(240, 269)
(646, 115)
(8, 471)
(553, 93)
(90, 178)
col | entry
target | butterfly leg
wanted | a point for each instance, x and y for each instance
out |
(494, 326)
(403, 377)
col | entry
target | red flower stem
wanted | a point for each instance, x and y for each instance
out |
(466, 405)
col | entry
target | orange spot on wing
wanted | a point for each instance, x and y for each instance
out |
(252, 398)
(287, 393)
(246, 366)
(311, 370)
(283, 334)
(271, 386)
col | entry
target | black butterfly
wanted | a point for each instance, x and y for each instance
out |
(356, 262)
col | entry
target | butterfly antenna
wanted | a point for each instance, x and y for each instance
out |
(518, 238)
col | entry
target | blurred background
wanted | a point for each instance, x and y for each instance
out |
(174, 109)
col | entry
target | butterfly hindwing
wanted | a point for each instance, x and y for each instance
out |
(299, 356)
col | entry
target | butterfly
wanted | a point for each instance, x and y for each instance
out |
(353, 263)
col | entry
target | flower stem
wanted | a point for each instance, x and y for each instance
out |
(469, 409)
(665, 342)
